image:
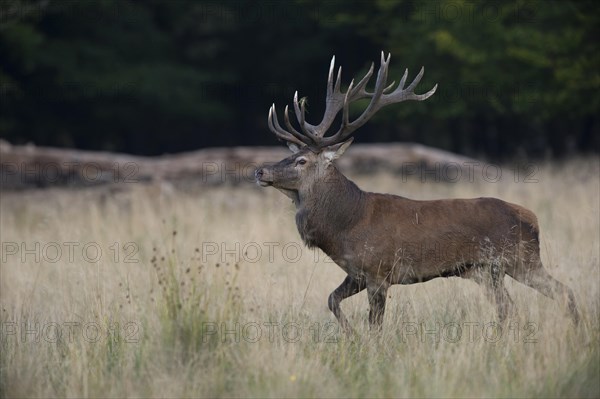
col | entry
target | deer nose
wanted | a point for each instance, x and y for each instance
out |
(258, 173)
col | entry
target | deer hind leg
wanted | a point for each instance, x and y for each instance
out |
(536, 277)
(491, 277)
(350, 286)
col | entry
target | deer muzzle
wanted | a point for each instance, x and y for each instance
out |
(264, 177)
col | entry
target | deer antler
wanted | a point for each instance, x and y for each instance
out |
(314, 135)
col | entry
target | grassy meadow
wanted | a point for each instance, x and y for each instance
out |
(150, 291)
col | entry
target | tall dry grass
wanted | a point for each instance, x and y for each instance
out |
(210, 293)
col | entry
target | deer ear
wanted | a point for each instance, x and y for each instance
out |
(335, 151)
(293, 147)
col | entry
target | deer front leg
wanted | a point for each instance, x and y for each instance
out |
(349, 287)
(377, 294)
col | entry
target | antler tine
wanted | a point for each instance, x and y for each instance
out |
(421, 97)
(416, 80)
(389, 88)
(275, 127)
(381, 77)
(338, 80)
(279, 132)
(411, 87)
(330, 77)
(330, 87)
(288, 124)
(345, 108)
(307, 128)
(403, 80)
(360, 86)
(300, 113)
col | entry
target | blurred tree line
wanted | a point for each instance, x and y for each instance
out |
(156, 76)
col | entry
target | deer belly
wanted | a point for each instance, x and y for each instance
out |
(410, 261)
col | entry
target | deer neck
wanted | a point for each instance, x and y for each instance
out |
(327, 209)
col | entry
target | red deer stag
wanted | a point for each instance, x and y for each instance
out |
(382, 239)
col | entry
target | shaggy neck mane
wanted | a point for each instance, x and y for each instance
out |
(329, 207)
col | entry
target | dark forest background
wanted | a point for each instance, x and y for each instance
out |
(156, 76)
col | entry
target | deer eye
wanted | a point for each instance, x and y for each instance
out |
(301, 161)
